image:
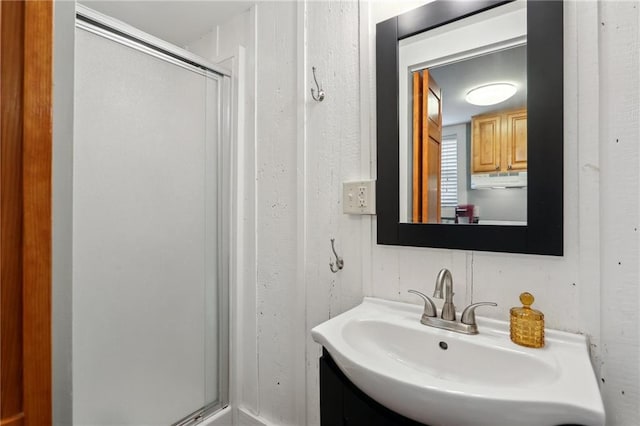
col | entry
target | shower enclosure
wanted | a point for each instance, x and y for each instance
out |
(150, 229)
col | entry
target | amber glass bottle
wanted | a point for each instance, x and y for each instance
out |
(527, 325)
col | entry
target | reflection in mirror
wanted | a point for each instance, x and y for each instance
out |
(463, 139)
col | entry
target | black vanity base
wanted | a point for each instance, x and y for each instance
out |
(342, 403)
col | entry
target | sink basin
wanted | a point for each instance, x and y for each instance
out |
(439, 377)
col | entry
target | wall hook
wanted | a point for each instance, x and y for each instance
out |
(339, 262)
(320, 96)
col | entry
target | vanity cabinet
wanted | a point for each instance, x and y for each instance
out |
(499, 142)
(343, 404)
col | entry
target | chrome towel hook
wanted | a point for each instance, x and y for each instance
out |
(320, 96)
(339, 262)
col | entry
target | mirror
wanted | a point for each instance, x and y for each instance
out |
(463, 167)
(445, 162)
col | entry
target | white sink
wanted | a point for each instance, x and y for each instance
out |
(483, 379)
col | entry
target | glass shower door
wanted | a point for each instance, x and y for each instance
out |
(149, 257)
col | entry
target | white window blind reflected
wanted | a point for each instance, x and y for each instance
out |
(449, 173)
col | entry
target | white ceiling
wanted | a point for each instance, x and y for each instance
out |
(458, 78)
(177, 21)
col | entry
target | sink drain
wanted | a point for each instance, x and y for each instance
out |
(443, 346)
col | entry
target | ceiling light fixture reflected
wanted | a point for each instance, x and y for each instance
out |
(491, 94)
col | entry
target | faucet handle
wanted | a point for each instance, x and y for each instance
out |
(469, 313)
(430, 309)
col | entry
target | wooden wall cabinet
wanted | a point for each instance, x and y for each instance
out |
(499, 142)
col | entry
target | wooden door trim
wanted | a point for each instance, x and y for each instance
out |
(417, 148)
(11, 76)
(424, 172)
(30, 101)
(36, 249)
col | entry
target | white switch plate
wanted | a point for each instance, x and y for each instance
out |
(359, 197)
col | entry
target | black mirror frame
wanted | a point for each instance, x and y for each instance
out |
(544, 231)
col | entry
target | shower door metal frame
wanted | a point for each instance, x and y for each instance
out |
(89, 20)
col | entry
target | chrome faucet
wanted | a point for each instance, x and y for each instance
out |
(447, 320)
(448, 309)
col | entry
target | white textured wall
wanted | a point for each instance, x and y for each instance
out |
(333, 155)
(277, 212)
(619, 207)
